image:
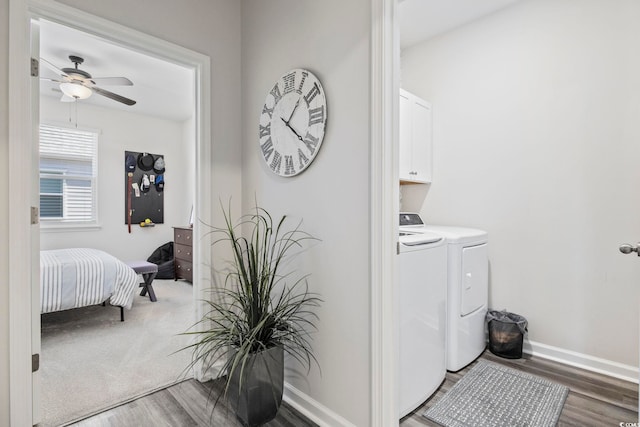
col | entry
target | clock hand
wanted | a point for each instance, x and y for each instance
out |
(292, 129)
(294, 110)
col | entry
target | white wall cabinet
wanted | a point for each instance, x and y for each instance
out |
(415, 139)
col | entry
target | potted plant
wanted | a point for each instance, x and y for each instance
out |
(256, 315)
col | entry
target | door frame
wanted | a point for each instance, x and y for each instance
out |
(384, 208)
(24, 263)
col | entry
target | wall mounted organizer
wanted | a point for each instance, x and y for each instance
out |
(144, 189)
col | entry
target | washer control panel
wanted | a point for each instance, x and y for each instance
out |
(409, 218)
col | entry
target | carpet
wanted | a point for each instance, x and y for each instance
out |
(491, 395)
(90, 361)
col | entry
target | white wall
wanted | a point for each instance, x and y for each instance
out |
(189, 134)
(331, 38)
(4, 215)
(121, 131)
(210, 27)
(536, 136)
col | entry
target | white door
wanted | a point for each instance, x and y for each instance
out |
(626, 248)
(35, 228)
(24, 300)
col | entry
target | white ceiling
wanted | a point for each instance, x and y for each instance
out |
(423, 19)
(159, 88)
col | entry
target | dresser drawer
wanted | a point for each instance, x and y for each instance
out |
(184, 269)
(182, 252)
(182, 236)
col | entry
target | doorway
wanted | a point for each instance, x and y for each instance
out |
(535, 130)
(89, 345)
(24, 386)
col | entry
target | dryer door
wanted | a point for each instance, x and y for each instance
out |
(475, 279)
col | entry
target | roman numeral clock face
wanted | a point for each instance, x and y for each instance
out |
(292, 123)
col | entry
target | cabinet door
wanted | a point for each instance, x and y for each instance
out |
(406, 134)
(415, 138)
(421, 147)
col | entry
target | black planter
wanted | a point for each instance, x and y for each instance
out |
(257, 398)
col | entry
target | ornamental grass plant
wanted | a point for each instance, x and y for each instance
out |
(261, 303)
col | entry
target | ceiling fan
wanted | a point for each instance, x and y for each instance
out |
(78, 84)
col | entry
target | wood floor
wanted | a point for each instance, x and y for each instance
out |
(594, 400)
(183, 405)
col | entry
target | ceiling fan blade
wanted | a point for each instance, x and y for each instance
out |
(52, 80)
(113, 96)
(53, 67)
(111, 81)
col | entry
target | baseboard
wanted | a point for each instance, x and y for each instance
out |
(313, 409)
(584, 361)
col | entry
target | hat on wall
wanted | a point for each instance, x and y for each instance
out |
(145, 161)
(158, 166)
(144, 183)
(159, 183)
(130, 163)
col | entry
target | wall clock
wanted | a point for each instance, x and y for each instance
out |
(292, 122)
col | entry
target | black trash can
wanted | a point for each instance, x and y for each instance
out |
(506, 333)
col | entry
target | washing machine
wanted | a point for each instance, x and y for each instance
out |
(422, 295)
(467, 288)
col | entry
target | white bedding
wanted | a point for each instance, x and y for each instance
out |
(78, 277)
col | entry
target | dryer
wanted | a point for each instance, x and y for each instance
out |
(467, 288)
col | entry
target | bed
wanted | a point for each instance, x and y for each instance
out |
(79, 277)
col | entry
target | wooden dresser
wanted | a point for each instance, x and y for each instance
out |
(183, 253)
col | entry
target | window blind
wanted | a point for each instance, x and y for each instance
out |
(68, 171)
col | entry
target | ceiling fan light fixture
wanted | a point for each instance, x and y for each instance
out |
(75, 90)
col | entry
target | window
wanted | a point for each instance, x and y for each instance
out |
(68, 170)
